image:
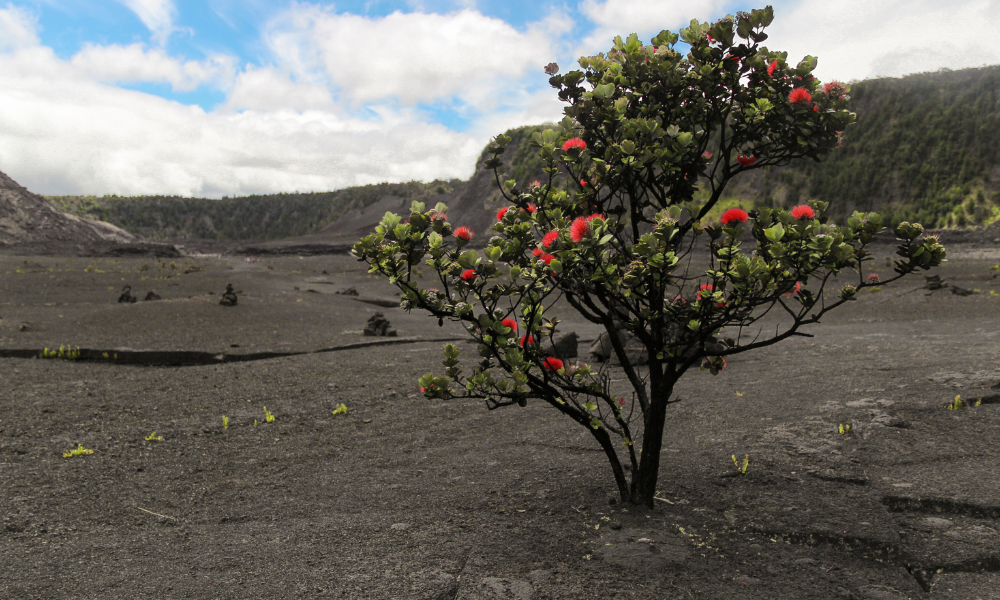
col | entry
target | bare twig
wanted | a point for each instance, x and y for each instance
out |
(662, 500)
(157, 514)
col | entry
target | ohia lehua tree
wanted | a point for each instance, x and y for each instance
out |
(650, 139)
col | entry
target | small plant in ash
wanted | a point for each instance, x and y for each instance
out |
(268, 416)
(646, 128)
(225, 422)
(79, 451)
(742, 470)
(153, 437)
(64, 352)
(341, 409)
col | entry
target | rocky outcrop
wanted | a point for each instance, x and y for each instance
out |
(27, 218)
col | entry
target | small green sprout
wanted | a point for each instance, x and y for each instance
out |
(978, 401)
(225, 422)
(255, 422)
(956, 404)
(746, 463)
(80, 451)
(340, 410)
(844, 429)
(104, 354)
(268, 415)
(154, 438)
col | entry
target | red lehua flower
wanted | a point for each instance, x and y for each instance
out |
(873, 278)
(547, 258)
(746, 161)
(705, 287)
(535, 184)
(800, 96)
(508, 322)
(834, 89)
(803, 210)
(771, 68)
(423, 389)
(798, 286)
(706, 155)
(573, 142)
(501, 213)
(621, 401)
(550, 237)
(536, 251)
(527, 339)
(552, 363)
(579, 229)
(464, 233)
(815, 108)
(468, 274)
(531, 207)
(439, 217)
(595, 216)
(583, 182)
(734, 214)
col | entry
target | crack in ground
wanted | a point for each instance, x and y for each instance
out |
(188, 358)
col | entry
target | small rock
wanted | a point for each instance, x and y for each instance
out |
(399, 526)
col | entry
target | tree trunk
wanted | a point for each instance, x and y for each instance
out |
(644, 482)
(604, 440)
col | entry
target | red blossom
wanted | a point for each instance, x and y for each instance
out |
(595, 216)
(549, 238)
(468, 274)
(531, 207)
(508, 322)
(621, 401)
(705, 287)
(706, 155)
(746, 161)
(547, 258)
(583, 182)
(464, 233)
(552, 363)
(527, 339)
(579, 229)
(803, 210)
(800, 96)
(771, 68)
(573, 142)
(815, 108)
(873, 278)
(834, 89)
(734, 214)
(535, 184)
(439, 217)
(501, 213)
(536, 251)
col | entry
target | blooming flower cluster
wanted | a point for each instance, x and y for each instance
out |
(581, 226)
(746, 161)
(572, 143)
(803, 211)
(800, 96)
(543, 256)
(468, 274)
(734, 214)
(508, 322)
(550, 237)
(771, 68)
(552, 363)
(464, 233)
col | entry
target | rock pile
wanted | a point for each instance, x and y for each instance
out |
(378, 325)
(229, 297)
(127, 296)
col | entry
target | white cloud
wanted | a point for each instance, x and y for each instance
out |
(133, 63)
(61, 133)
(623, 17)
(858, 39)
(17, 28)
(413, 57)
(156, 15)
(268, 89)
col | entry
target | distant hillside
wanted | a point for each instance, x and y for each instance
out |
(924, 149)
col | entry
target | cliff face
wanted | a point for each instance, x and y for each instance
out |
(27, 218)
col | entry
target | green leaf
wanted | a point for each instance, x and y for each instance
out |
(775, 233)
(556, 265)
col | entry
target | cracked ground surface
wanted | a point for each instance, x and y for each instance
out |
(403, 497)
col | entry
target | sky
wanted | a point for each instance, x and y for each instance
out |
(212, 98)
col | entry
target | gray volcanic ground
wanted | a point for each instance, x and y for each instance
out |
(403, 497)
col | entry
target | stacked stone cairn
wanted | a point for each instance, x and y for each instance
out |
(378, 325)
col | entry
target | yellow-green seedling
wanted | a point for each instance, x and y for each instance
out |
(255, 422)
(746, 463)
(64, 352)
(340, 410)
(225, 422)
(956, 404)
(844, 429)
(80, 451)
(268, 415)
(154, 438)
